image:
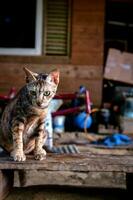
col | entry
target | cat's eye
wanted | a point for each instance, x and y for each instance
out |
(33, 93)
(46, 93)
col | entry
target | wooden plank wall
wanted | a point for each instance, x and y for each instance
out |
(71, 77)
(87, 29)
(84, 65)
(88, 41)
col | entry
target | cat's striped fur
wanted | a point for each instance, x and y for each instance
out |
(23, 118)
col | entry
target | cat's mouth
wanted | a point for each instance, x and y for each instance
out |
(42, 105)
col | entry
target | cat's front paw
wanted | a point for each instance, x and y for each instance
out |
(18, 155)
(40, 155)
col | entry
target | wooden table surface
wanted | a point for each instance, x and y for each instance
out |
(84, 162)
(83, 170)
(95, 166)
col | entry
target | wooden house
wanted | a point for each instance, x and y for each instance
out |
(67, 34)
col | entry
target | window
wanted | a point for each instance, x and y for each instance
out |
(119, 25)
(57, 27)
(20, 27)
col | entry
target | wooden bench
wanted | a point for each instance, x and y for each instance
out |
(82, 170)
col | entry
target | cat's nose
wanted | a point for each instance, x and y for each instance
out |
(39, 103)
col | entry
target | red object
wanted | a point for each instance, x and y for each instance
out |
(69, 96)
(66, 111)
(12, 92)
(75, 109)
(4, 97)
(65, 96)
(10, 95)
(88, 102)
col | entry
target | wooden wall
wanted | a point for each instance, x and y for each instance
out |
(87, 29)
(84, 67)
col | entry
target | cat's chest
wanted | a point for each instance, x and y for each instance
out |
(30, 125)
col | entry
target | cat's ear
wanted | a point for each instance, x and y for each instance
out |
(54, 76)
(30, 75)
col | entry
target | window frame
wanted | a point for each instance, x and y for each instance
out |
(37, 50)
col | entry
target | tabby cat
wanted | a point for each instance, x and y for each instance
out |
(23, 119)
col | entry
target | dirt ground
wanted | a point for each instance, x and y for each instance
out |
(43, 193)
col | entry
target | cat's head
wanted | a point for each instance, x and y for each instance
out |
(41, 88)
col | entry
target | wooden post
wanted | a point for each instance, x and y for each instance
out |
(6, 182)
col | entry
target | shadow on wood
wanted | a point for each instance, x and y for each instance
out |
(6, 182)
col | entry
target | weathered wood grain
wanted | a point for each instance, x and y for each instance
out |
(83, 170)
(76, 163)
(87, 43)
(70, 178)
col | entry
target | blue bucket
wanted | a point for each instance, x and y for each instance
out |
(79, 120)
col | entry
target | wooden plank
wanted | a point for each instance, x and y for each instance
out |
(93, 46)
(35, 59)
(69, 178)
(74, 163)
(9, 71)
(89, 58)
(6, 183)
(89, 5)
(83, 170)
(92, 29)
(57, 31)
(87, 44)
(83, 17)
(54, 48)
